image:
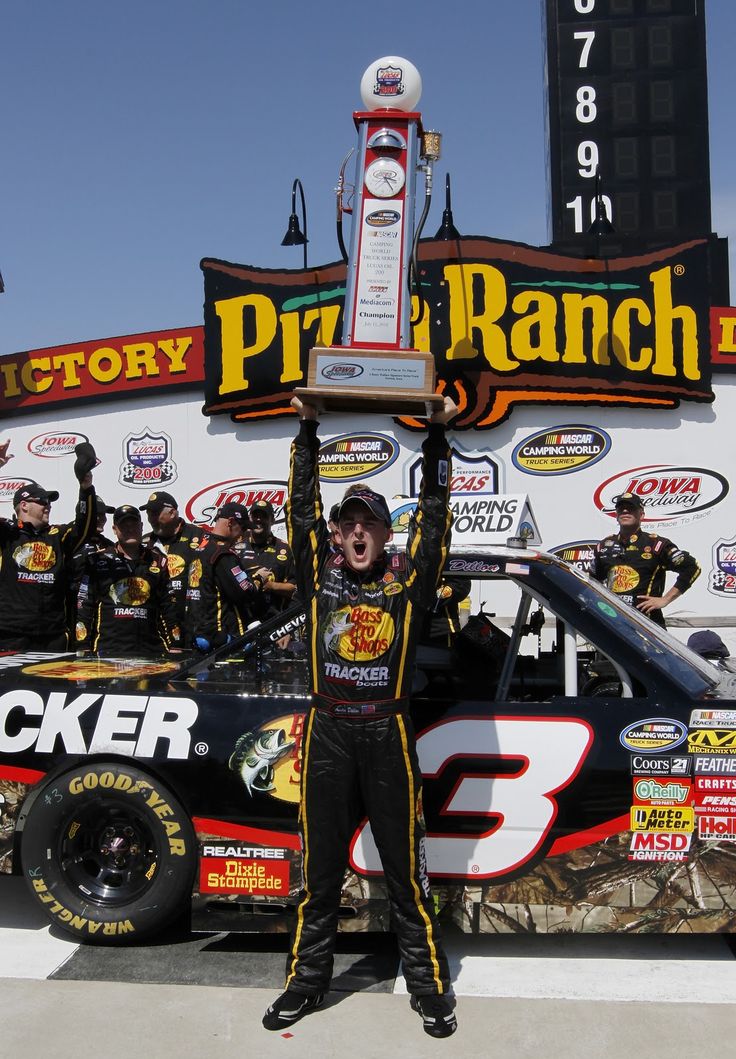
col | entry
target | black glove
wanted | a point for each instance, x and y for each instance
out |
(86, 460)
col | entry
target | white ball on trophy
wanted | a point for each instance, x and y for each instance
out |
(391, 83)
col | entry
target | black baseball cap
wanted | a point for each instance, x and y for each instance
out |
(102, 507)
(236, 511)
(125, 511)
(375, 503)
(158, 501)
(708, 644)
(628, 500)
(33, 491)
(262, 507)
(334, 512)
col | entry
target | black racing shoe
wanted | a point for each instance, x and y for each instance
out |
(437, 1013)
(289, 1008)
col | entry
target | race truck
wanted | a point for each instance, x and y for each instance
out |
(579, 775)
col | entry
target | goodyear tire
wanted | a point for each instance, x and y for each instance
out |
(109, 853)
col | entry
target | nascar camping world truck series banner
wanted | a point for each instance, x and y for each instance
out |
(508, 324)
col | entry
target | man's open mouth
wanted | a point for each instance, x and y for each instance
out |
(359, 548)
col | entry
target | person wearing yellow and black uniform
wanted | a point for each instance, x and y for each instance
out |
(96, 542)
(35, 559)
(365, 609)
(126, 607)
(261, 548)
(634, 563)
(176, 540)
(442, 623)
(228, 597)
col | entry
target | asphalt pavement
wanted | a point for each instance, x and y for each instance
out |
(204, 996)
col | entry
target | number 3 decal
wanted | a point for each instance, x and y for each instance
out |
(522, 805)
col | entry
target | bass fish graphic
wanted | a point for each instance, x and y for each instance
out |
(337, 625)
(256, 754)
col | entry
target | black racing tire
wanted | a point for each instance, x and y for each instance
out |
(109, 853)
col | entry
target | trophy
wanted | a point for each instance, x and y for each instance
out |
(375, 369)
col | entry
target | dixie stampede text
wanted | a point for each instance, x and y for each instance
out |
(491, 326)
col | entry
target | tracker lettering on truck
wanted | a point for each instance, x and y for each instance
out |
(139, 726)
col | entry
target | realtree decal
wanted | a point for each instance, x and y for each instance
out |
(508, 324)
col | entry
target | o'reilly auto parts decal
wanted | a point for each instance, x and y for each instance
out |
(561, 450)
(667, 492)
(139, 726)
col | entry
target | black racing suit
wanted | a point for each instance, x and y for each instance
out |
(275, 555)
(35, 578)
(178, 550)
(125, 606)
(359, 756)
(228, 598)
(636, 566)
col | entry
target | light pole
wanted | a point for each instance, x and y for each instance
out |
(294, 235)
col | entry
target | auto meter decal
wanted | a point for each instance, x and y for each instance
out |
(147, 460)
(561, 451)
(352, 456)
(55, 443)
(579, 554)
(722, 577)
(668, 492)
(654, 734)
(268, 759)
(8, 488)
(202, 508)
(662, 818)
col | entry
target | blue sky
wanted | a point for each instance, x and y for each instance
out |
(140, 137)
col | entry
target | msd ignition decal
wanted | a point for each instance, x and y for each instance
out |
(561, 450)
(55, 443)
(9, 487)
(147, 460)
(268, 760)
(352, 456)
(668, 493)
(202, 508)
(722, 578)
(654, 734)
(579, 554)
(518, 807)
(659, 845)
(90, 723)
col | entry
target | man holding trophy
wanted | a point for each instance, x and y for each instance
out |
(365, 610)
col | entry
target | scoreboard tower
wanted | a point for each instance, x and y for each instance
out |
(628, 102)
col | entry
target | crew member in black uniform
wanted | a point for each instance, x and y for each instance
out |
(228, 597)
(176, 540)
(633, 563)
(261, 548)
(126, 607)
(35, 560)
(365, 609)
(96, 542)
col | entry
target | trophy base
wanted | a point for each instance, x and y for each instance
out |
(395, 382)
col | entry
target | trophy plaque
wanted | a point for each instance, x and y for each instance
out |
(375, 369)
